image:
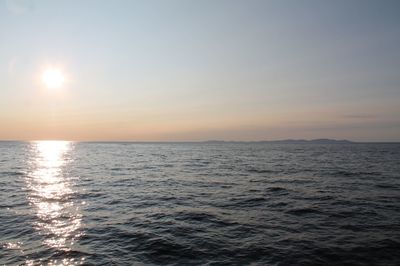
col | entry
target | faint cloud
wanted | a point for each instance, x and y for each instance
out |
(19, 7)
(12, 65)
(359, 116)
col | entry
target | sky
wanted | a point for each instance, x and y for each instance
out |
(200, 70)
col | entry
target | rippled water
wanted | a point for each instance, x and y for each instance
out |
(64, 203)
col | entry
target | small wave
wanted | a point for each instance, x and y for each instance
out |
(246, 202)
(14, 173)
(279, 190)
(303, 211)
(387, 186)
(164, 250)
(343, 173)
(260, 171)
(190, 216)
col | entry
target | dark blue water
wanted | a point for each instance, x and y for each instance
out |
(67, 203)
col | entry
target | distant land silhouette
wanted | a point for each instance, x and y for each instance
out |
(289, 141)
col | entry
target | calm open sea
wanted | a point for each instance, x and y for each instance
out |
(66, 203)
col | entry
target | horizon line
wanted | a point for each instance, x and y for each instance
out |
(209, 141)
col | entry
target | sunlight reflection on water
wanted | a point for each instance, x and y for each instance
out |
(58, 217)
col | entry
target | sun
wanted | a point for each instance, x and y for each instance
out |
(53, 78)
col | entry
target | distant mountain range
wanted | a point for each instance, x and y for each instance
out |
(289, 141)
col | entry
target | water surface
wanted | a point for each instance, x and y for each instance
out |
(66, 203)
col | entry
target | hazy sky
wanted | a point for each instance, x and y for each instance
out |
(197, 70)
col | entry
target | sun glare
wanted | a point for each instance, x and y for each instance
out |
(53, 78)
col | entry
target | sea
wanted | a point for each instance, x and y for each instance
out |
(87, 203)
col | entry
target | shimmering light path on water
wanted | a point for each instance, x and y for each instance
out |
(58, 217)
(66, 203)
